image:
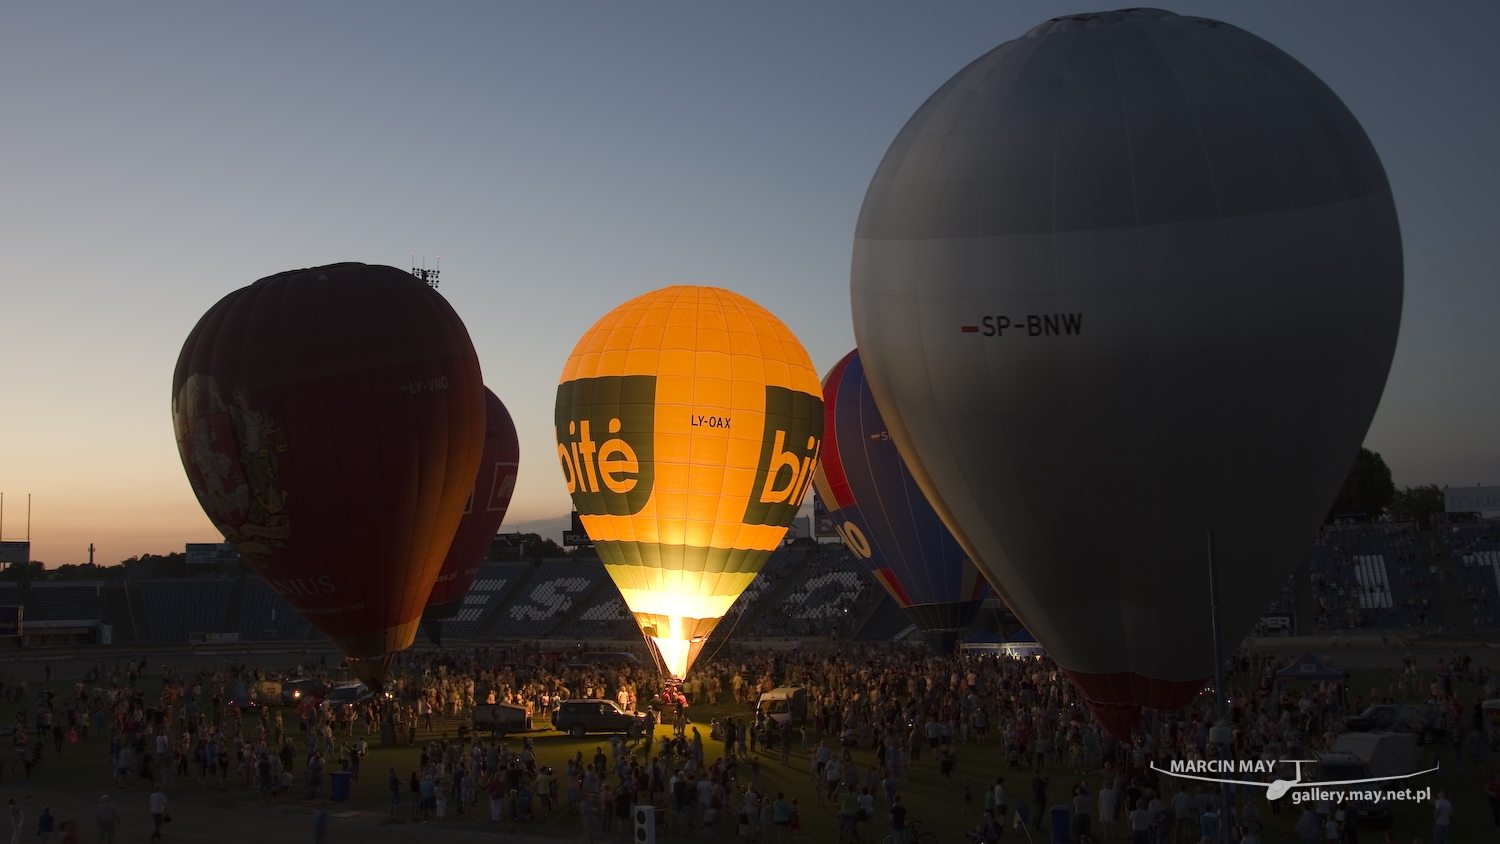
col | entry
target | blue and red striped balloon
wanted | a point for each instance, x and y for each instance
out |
(882, 515)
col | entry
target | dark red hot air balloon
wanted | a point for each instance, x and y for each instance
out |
(482, 516)
(331, 422)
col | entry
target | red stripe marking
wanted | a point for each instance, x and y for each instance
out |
(829, 459)
(893, 586)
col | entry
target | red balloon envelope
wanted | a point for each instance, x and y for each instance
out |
(482, 516)
(331, 422)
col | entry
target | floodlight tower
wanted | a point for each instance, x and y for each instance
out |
(426, 275)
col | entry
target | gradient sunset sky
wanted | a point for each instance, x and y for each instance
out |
(562, 158)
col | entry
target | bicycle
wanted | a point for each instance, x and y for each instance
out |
(914, 835)
(27, 764)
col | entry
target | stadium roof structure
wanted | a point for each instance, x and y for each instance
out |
(1309, 667)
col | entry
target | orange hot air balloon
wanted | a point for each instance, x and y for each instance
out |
(331, 421)
(688, 422)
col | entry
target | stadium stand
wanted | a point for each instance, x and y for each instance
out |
(1363, 577)
(484, 596)
(69, 601)
(780, 564)
(175, 608)
(1474, 552)
(1286, 599)
(829, 591)
(1285, 603)
(545, 599)
(605, 618)
(1370, 576)
(266, 616)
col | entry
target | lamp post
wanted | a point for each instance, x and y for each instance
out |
(1221, 736)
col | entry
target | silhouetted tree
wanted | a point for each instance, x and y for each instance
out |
(1418, 504)
(1368, 489)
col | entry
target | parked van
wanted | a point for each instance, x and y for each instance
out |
(787, 703)
(1387, 754)
(1341, 767)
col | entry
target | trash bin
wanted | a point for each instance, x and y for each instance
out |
(340, 786)
(1059, 819)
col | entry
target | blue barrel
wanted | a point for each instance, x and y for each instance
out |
(340, 785)
(1060, 825)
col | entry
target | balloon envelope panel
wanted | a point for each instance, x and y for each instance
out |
(483, 513)
(881, 513)
(688, 422)
(331, 421)
(1126, 279)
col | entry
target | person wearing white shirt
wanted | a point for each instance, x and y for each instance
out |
(1107, 811)
(163, 760)
(1140, 824)
(1183, 809)
(17, 818)
(1442, 820)
(158, 813)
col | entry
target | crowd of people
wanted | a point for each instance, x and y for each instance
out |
(875, 714)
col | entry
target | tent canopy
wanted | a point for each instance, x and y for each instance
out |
(1309, 667)
(984, 637)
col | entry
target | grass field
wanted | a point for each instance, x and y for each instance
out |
(935, 802)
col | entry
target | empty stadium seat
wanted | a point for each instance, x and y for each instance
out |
(175, 608)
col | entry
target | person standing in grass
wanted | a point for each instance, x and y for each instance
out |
(781, 818)
(1442, 820)
(158, 802)
(17, 818)
(393, 782)
(107, 817)
(897, 819)
(44, 825)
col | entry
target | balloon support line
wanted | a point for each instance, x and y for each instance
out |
(732, 628)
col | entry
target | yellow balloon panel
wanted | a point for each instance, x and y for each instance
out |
(688, 423)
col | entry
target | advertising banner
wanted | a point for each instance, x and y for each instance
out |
(211, 553)
(1472, 499)
(575, 536)
(822, 521)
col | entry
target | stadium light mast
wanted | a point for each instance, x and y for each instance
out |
(16, 552)
(430, 277)
(1220, 735)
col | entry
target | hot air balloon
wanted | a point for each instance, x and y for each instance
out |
(1124, 280)
(687, 422)
(331, 422)
(483, 514)
(883, 517)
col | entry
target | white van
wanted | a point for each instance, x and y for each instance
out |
(787, 703)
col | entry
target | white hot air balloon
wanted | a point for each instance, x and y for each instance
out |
(1129, 278)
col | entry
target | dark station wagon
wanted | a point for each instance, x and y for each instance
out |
(579, 717)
